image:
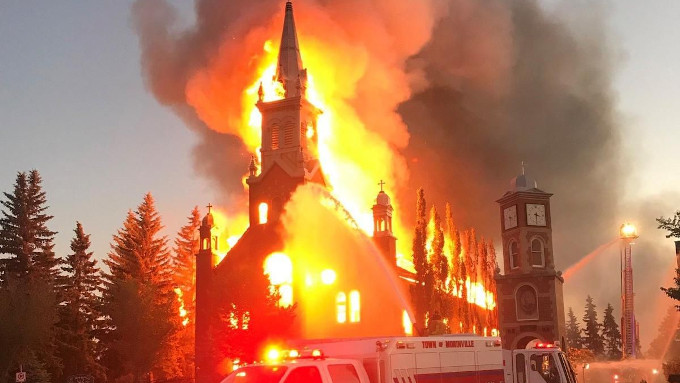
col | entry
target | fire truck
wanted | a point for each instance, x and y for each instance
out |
(435, 359)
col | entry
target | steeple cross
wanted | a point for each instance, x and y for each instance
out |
(381, 183)
(209, 207)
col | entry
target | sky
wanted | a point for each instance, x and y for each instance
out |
(74, 106)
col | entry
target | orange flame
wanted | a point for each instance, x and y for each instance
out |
(182, 310)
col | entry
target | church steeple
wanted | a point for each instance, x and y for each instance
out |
(289, 151)
(289, 70)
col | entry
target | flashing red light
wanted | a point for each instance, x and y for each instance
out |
(317, 354)
(545, 345)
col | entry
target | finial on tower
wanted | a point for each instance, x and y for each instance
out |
(260, 93)
(210, 206)
(381, 184)
(253, 166)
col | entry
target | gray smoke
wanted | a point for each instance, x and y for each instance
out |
(508, 82)
(170, 57)
(498, 83)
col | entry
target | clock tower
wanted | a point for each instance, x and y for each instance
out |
(530, 300)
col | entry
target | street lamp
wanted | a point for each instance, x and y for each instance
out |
(585, 367)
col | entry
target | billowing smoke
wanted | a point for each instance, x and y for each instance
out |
(450, 95)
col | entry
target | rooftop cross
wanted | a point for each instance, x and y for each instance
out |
(209, 207)
(381, 183)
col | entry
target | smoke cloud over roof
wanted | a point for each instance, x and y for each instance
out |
(463, 91)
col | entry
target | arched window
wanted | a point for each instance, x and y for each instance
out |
(354, 306)
(537, 253)
(206, 243)
(513, 251)
(263, 212)
(341, 307)
(275, 137)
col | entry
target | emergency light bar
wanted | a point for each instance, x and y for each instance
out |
(545, 345)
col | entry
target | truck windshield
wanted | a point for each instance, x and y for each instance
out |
(256, 374)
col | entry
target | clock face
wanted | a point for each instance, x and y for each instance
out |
(510, 217)
(536, 214)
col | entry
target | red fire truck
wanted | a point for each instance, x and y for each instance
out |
(437, 359)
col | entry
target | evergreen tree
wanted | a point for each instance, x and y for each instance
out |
(672, 225)
(140, 305)
(421, 293)
(440, 267)
(28, 312)
(27, 244)
(464, 311)
(454, 269)
(611, 334)
(79, 315)
(573, 331)
(592, 339)
(492, 285)
(472, 265)
(662, 347)
(24, 236)
(184, 262)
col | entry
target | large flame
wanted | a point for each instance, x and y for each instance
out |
(182, 311)
(357, 143)
(357, 81)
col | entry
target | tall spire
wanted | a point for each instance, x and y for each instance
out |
(289, 69)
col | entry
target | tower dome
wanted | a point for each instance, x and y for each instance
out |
(382, 199)
(208, 220)
(523, 182)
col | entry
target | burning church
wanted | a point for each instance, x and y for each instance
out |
(358, 290)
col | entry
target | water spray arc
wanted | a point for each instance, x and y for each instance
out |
(629, 326)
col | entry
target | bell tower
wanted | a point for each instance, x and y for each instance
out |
(530, 298)
(289, 134)
(382, 226)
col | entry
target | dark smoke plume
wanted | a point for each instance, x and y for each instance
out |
(499, 82)
(171, 57)
(506, 83)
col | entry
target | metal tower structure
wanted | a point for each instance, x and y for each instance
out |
(629, 327)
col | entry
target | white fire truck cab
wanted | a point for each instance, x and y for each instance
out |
(437, 359)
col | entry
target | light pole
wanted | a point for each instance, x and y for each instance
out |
(585, 367)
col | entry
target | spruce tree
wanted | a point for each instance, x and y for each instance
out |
(140, 305)
(592, 339)
(492, 265)
(421, 293)
(464, 311)
(24, 236)
(454, 269)
(184, 263)
(440, 266)
(662, 347)
(28, 312)
(79, 314)
(573, 331)
(611, 334)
